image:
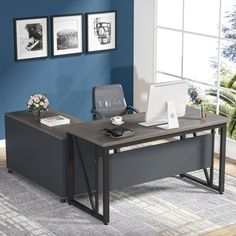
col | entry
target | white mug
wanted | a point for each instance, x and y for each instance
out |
(117, 120)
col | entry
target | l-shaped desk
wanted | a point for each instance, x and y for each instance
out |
(126, 168)
(76, 158)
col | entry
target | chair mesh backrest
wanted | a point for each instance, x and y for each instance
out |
(109, 100)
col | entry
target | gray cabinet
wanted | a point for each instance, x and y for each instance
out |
(39, 153)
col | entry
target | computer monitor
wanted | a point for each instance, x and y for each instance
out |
(166, 102)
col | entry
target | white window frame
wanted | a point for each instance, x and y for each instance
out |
(218, 38)
(231, 150)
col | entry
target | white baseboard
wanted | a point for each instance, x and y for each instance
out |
(230, 147)
(2, 143)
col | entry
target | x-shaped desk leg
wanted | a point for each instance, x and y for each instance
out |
(73, 145)
(209, 179)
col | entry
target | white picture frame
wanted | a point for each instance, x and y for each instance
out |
(67, 34)
(101, 31)
(31, 38)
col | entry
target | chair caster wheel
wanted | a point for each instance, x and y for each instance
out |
(63, 200)
(10, 171)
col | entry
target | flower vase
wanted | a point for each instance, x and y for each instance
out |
(203, 111)
(37, 114)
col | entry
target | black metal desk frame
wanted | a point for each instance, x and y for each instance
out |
(104, 153)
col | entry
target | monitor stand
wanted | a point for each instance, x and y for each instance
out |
(173, 122)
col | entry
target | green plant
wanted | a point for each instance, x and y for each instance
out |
(227, 106)
(229, 51)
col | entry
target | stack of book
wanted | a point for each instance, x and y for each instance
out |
(55, 121)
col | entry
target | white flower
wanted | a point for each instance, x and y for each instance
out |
(45, 106)
(30, 102)
(36, 99)
(36, 105)
(41, 103)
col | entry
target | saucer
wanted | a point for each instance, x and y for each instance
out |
(117, 124)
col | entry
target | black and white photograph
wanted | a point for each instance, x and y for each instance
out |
(101, 31)
(67, 35)
(31, 38)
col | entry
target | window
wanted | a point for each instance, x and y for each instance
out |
(196, 40)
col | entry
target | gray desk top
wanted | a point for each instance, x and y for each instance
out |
(89, 131)
(28, 118)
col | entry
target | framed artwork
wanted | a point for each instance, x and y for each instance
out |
(67, 37)
(101, 31)
(31, 38)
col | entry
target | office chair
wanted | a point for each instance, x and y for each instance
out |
(109, 101)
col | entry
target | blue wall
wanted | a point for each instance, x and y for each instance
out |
(67, 81)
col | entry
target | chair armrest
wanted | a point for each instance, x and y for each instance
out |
(96, 113)
(132, 109)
